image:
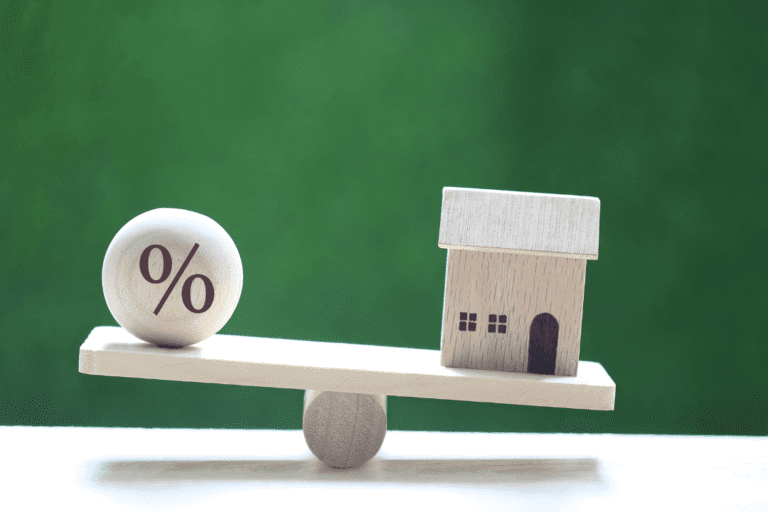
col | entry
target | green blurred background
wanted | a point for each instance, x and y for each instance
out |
(320, 134)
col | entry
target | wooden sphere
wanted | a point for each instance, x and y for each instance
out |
(344, 430)
(149, 296)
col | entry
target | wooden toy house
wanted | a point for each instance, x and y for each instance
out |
(514, 281)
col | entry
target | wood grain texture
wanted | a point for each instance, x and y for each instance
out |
(344, 430)
(519, 287)
(149, 290)
(507, 221)
(342, 367)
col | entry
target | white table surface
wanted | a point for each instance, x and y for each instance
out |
(185, 469)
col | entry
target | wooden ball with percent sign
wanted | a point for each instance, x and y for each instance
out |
(172, 277)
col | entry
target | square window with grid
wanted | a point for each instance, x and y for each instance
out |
(463, 321)
(496, 323)
(502, 324)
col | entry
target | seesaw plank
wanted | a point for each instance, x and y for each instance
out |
(370, 369)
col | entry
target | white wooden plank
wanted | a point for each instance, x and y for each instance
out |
(369, 369)
(520, 222)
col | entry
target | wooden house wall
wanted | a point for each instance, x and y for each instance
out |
(519, 286)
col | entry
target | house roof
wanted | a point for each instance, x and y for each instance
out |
(519, 222)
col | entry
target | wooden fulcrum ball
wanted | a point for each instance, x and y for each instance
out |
(344, 430)
(172, 277)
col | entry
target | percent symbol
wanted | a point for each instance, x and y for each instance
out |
(186, 289)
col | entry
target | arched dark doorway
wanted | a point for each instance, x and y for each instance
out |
(542, 345)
